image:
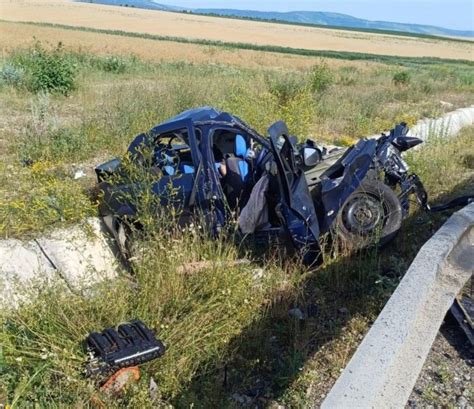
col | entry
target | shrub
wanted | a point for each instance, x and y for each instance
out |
(52, 71)
(285, 87)
(114, 64)
(321, 77)
(11, 75)
(401, 78)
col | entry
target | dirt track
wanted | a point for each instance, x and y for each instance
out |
(211, 28)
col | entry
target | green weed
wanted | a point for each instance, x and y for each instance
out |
(52, 71)
(401, 78)
(321, 77)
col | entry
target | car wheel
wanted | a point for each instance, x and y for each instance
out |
(371, 215)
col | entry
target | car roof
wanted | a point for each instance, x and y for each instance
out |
(204, 114)
(209, 115)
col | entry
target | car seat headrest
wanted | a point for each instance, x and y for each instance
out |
(240, 146)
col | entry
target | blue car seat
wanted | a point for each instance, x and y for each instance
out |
(187, 169)
(171, 169)
(238, 172)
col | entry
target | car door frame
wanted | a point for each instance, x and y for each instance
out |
(296, 205)
(197, 195)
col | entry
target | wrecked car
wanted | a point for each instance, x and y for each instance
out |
(212, 164)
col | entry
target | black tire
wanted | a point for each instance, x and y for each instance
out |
(371, 215)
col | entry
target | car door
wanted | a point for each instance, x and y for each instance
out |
(296, 206)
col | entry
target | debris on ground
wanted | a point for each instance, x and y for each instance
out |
(78, 174)
(153, 389)
(462, 312)
(296, 313)
(120, 380)
(127, 346)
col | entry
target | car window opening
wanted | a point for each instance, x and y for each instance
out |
(246, 184)
(172, 154)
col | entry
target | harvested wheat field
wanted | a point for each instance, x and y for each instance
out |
(18, 35)
(229, 30)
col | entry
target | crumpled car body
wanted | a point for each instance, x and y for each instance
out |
(207, 162)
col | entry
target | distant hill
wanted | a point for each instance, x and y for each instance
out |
(336, 20)
(317, 18)
(141, 4)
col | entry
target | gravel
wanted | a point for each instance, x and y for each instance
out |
(446, 378)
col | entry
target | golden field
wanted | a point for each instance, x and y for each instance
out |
(229, 30)
(15, 35)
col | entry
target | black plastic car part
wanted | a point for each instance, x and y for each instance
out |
(129, 345)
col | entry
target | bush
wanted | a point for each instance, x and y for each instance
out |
(401, 78)
(321, 77)
(114, 64)
(11, 75)
(285, 87)
(51, 71)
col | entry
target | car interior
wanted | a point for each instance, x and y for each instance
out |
(172, 155)
(244, 162)
(238, 160)
(234, 159)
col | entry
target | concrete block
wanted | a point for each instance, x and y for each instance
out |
(385, 367)
(81, 254)
(447, 125)
(76, 257)
(22, 265)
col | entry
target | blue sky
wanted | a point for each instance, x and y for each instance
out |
(458, 14)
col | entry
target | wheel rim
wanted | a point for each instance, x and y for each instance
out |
(363, 214)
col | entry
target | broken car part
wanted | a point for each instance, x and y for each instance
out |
(129, 345)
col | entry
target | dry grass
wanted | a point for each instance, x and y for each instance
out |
(212, 28)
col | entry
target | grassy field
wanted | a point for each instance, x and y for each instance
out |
(227, 30)
(227, 327)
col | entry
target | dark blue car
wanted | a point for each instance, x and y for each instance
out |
(212, 164)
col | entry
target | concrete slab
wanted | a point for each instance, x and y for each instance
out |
(385, 367)
(22, 265)
(447, 125)
(81, 254)
(76, 257)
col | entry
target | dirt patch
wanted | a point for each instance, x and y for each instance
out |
(229, 30)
